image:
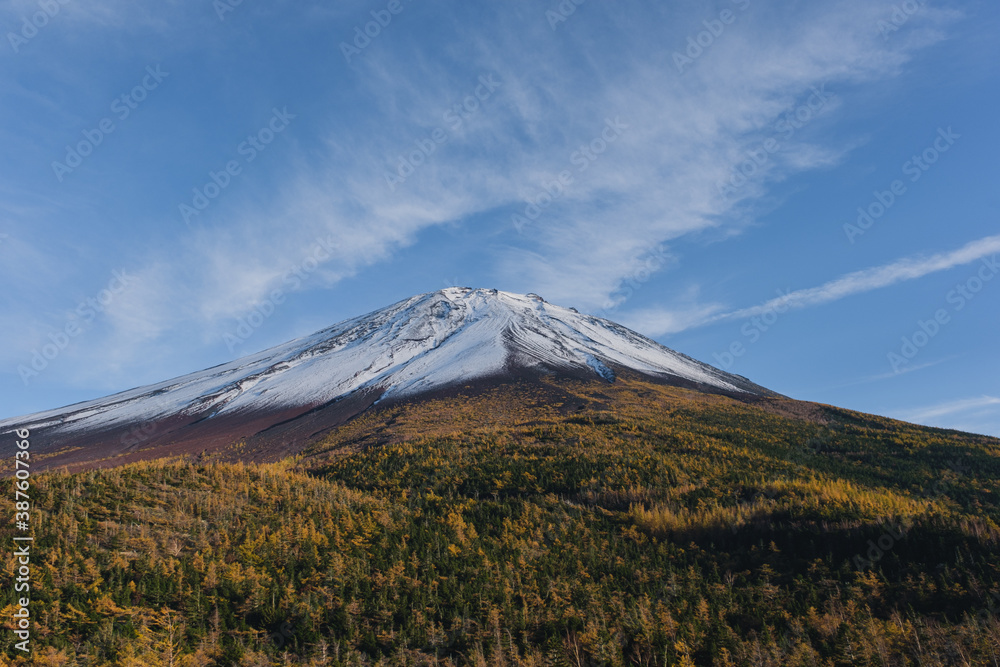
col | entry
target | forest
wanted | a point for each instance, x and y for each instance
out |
(559, 522)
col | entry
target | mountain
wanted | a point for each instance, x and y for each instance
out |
(552, 521)
(279, 400)
(483, 478)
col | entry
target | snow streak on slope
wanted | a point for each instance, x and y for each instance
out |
(425, 342)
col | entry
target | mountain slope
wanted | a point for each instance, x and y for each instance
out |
(426, 343)
(555, 522)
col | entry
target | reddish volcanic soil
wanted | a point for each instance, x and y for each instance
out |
(274, 435)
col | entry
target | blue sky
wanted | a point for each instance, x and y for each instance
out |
(801, 193)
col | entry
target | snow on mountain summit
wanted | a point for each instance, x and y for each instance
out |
(425, 342)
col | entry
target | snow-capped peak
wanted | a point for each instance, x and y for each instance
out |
(425, 342)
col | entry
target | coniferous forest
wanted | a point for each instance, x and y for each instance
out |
(553, 523)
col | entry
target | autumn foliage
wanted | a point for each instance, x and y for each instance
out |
(562, 523)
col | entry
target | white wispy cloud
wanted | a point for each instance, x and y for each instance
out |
(689, 133)
(878, 377)
(978, 414)
(950, 408)
(857, 282)
(664, 321)
(657, 322)
(658, 182)
(115, 14)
